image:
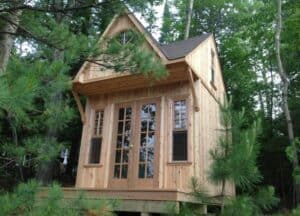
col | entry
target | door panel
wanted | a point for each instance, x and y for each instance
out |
(147, 141)
(121, 154)
(147, 148)
(135, 146)
(122, 143)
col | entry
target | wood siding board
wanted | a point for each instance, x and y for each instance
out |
(109, 92)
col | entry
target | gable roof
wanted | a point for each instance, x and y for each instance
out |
(168, 53)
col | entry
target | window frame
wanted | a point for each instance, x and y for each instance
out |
(212, 71)
(93, 135)
(172, 100)
(122, 34)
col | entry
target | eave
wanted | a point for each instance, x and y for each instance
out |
(127, 81)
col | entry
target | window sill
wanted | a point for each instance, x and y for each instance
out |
(92, 165)
(179, 163)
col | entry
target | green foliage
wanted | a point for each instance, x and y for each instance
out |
(24, 201)
(17, 89)
(198, 191)
(132, 57)
(19, 202)
(291, 150)
(167, 29)
(235, 159)
(243, 158)
(263, 200)
(185, 209)
(35, 104)
(241, 205)
(296, 211)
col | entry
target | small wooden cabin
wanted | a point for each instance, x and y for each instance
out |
(143, 141)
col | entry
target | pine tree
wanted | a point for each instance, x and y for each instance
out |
(235, 160)
(35, 102)
(23, 201)
(166, 35)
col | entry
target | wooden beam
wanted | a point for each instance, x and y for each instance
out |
(79, 105)
(194, 93)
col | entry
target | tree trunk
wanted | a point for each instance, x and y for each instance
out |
(261, 102)
(285, 105)
(188, 19)
(6, 38)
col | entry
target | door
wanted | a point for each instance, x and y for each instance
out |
(135, 145)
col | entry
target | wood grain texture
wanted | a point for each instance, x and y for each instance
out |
(108, 90)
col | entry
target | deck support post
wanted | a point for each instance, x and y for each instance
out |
(79, 105)
(202, 209)
(194, 93)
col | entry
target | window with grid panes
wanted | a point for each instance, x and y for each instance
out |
(96, 140)
(122, 143)
(147, 141)
(180, 139)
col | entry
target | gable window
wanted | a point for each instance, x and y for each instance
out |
(96, 140)
(180, 139)
(125, 37)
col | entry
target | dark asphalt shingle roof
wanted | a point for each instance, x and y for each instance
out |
(180, 49)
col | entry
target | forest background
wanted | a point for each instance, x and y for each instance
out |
(44, 43)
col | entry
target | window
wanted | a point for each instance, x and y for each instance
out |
(123, 143)
(125, 37)
(212, 71)
(180, 139)
(147, 141)
(96, 140)
(212, 78)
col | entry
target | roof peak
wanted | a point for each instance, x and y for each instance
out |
(171, 51)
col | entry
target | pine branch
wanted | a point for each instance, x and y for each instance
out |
(6, 164)
(28, 33)
(54, 10)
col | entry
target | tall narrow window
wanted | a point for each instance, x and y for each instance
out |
(212, 70)
(147, 141)
(123, 143)
(96, 140)
(180, 148)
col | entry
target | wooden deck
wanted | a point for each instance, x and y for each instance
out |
(154, 201)
(122, 194)
(149, 201)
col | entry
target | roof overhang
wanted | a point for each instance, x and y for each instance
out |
(177, 72)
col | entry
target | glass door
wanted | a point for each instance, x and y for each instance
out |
(147, 148)
(135, 147)
(122, 146)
